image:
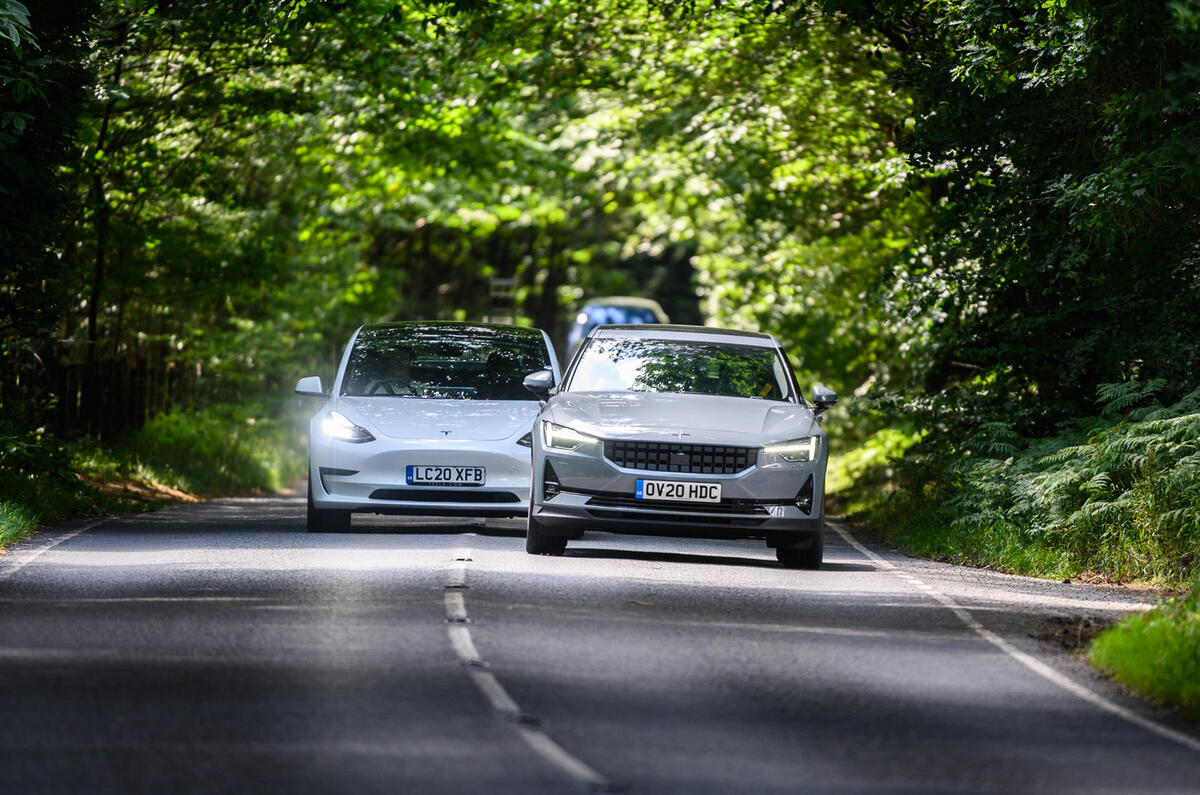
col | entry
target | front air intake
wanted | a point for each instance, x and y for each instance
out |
(700, 459)
(435, 495)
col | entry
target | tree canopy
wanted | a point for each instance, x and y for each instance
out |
(1059, 143)
(985, 207)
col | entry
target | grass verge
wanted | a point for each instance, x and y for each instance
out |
(178, 456)
(1157, 653)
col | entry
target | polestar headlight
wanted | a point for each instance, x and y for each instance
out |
(337, 426)
(561, 437)
(796, 450)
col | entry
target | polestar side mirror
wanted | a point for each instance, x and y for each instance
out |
(823, 398)
(540, 384)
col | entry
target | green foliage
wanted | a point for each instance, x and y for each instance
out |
(1057, 141)
(1157, 653)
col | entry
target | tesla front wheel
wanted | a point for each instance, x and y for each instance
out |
(806, 558)
(326, 521)
(537, 542)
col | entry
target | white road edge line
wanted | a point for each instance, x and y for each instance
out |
(1032, 663)
(499, 699)
(37, 552)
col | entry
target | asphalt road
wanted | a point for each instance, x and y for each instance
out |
(218, 648)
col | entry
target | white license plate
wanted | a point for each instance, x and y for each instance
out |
(423, 475)
(677, 491)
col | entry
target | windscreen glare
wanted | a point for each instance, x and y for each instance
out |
(446, 362)
(705, 368)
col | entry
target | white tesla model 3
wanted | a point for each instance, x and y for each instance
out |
(425, 418)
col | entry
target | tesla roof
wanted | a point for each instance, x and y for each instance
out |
(668, 331)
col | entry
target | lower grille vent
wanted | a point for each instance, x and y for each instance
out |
(432, 495)
(746, 508)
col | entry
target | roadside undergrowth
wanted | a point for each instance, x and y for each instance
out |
(178, 456)
(1110, 498)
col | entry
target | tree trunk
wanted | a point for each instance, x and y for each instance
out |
(101, 211)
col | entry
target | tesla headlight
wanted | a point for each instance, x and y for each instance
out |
(563, 438)
(796, 450)
(337, 426)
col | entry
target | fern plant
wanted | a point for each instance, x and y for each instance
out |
(1119, 496)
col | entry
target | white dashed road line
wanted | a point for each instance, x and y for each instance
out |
(1030, 662)
(457, 628)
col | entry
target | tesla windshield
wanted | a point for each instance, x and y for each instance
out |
(442, 361)
(707, 368)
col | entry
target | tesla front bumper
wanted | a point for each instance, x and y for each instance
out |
(371, 478)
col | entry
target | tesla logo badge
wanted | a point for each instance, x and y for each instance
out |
(445, 433)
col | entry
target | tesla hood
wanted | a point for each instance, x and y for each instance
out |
(449, 420)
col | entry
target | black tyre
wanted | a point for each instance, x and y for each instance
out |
(807, 558)
(537, 542)
(326, 521)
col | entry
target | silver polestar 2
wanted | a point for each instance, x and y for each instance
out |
(679, 430)
(426, 418)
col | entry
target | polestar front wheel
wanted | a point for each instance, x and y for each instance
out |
(537, 542)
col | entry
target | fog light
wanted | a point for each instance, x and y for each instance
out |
(804, 498)
(550, 483)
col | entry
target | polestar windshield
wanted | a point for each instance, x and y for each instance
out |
(686, 367)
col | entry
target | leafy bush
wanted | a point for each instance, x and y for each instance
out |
(225, 449)
(869, 463)
(37, 483)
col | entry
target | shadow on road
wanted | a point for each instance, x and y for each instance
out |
(830, 566)
(691, 557)
(670, 557)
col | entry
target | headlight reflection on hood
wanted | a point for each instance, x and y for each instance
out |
(564, 438)
(337, 426)
(796, 450)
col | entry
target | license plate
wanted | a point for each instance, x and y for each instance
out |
(422, 475)
(677, 491)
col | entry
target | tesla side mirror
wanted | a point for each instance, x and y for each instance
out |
(540, 384)
(310, 385)
(823, 398)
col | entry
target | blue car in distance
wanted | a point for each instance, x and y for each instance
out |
(616, 310)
